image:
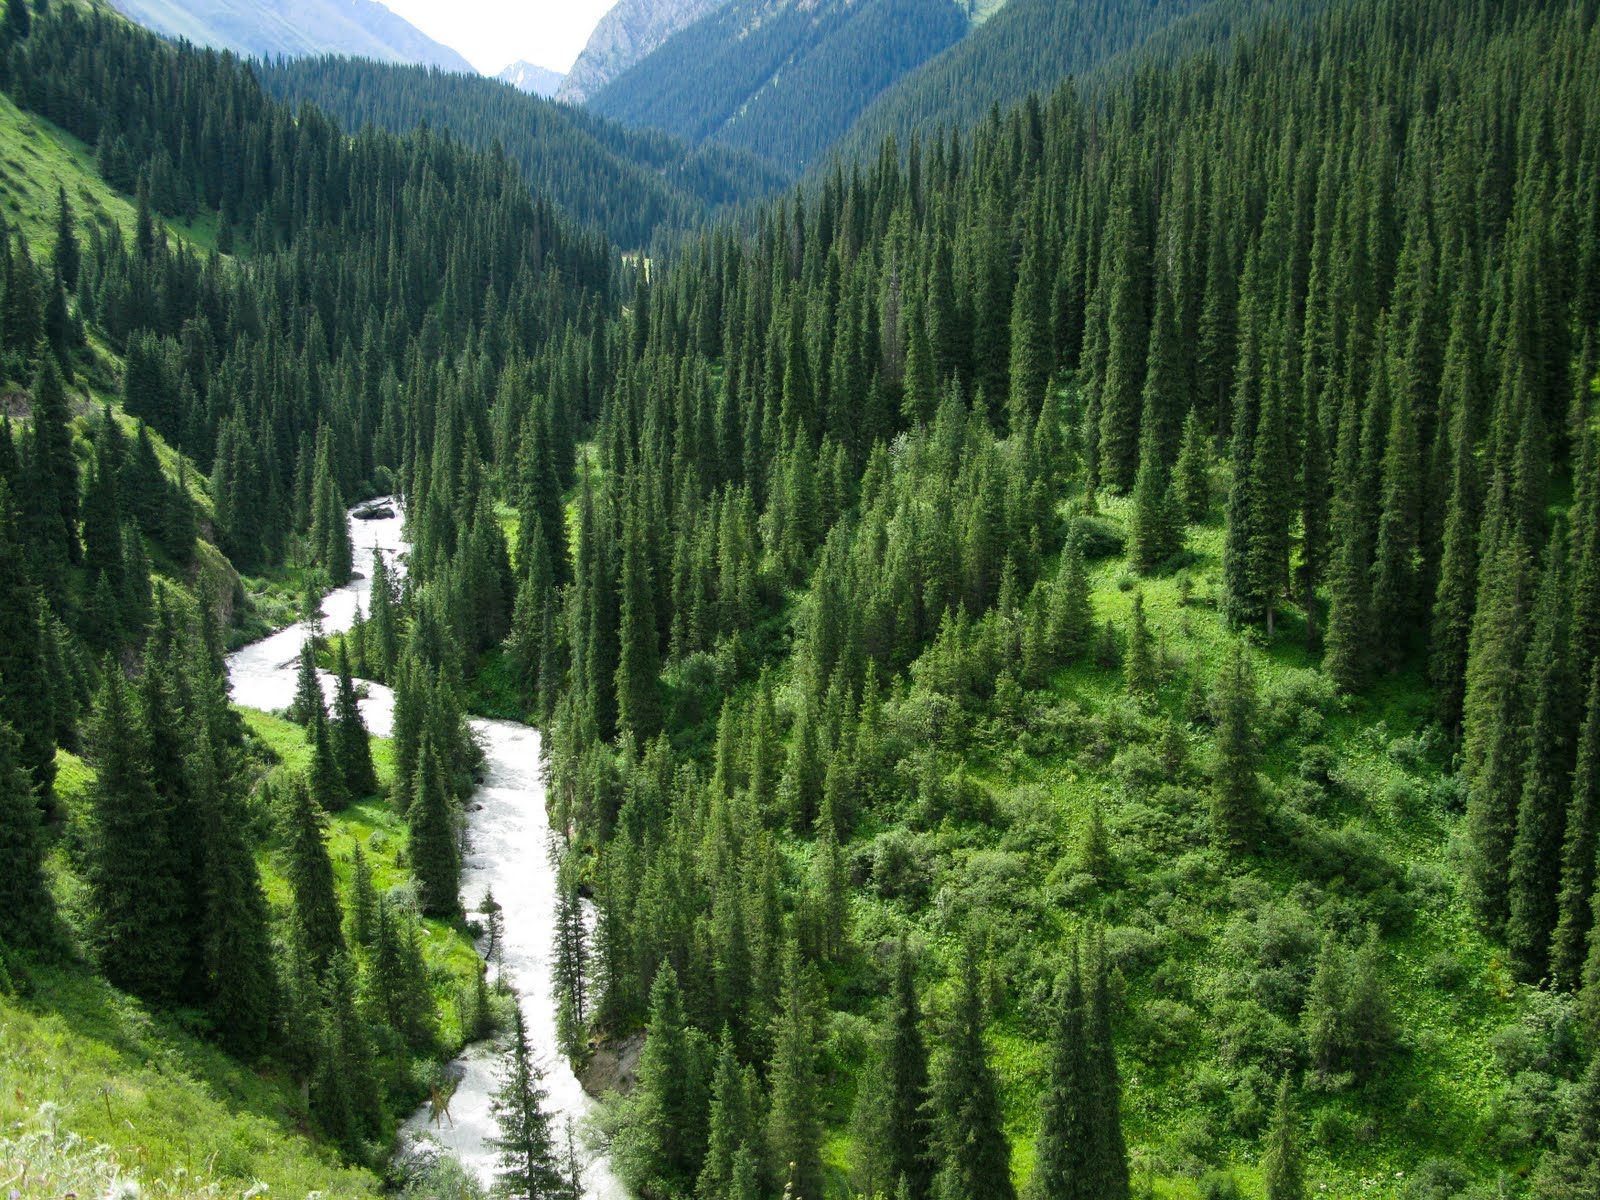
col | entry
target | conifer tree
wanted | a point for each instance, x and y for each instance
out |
(1108, 1149)
(1571, 1170)
(638, 669)
(1575, 909)
(25, 901)
(1071, 618)
(1140, 668)
(1235, 792)
(237, 941)
(1495, 720)
(525, 1142)
(1282, 1165)
(1192, 475)
(48, 495)
(24, 685)
(1535, 867)
(310, 875)
(68, 255)
(362, 913)
(1458, 567)
(892, 1116)
(570, 973)
(1062, 1152)
(346, 1094)
(1395, 585)
(308, 703)
(435, 856)
(734, 1132)
(974, 1156)
(794, 1122)
(666, 1140)
(351, 744)
(139, 932)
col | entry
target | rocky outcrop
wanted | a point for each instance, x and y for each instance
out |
(625, 35)
(612, 1067)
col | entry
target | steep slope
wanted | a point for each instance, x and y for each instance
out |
(269, 28)
(781, 78)
(626, 182)
(631, 30)
(1030, 46)
(531, 78)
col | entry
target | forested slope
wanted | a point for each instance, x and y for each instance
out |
(230, 945)
(1031, 46)
(1071, 657)
(627, 183)
(782, 80)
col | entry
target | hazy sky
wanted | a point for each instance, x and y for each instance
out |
(491, 34)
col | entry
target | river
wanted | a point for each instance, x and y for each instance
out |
(509, 850)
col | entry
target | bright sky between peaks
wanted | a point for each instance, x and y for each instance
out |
(492, 34)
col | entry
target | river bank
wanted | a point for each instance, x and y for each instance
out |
(508, 850)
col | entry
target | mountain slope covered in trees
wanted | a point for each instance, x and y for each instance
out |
(627, 183)
(629, 31)
(1140, 560)
(224, 952)
(271, 28)
(1070, 654)
(779, 78)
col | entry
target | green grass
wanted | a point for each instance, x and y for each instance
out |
(1182, 1104)
(80, 1058)
(95, 1078)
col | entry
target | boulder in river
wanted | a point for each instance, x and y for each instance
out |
(373, 512)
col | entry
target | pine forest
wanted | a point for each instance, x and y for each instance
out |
(962, 606)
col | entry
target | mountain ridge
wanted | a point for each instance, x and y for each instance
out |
(629, 32)
(275, 28)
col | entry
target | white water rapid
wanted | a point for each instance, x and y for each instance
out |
(509, 845)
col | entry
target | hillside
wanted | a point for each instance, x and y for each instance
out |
(1028, 46)
(532, 79)
(274, 28)
(1078, 662)
(779, 78)
(228, 962)
(629, 31)
(627, 183)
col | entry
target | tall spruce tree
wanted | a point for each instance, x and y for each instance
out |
(435, 856)
(892, 1118)
(352, 746)
(25, 902)
(1282, 1163)
(1236, 815)
(1581, 837)
(526, 1145)
(968, 1134)
(24, 685)
(794, 1122)
(1062, 1152)
(139, 929)
(310, 874)
(1535, 867)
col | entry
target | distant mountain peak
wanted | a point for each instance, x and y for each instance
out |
(296, 29)
(531, 78)
(624, 36)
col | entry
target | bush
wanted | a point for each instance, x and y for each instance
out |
(1097, 537)
(900, 867)
(1437, 1179)
(1219, 1185)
